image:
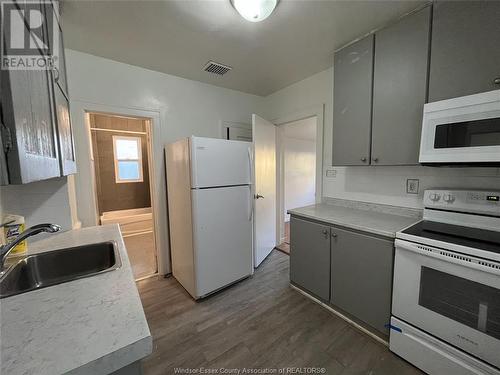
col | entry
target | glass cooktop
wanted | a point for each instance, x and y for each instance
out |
(464, 236)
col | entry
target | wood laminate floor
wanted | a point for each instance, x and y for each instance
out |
(285, 246)
(259, 323)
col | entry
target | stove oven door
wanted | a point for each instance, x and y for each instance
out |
(451, 296)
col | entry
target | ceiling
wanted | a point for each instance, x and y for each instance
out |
(180, 37)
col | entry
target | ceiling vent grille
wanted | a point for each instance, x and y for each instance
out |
(216, 68)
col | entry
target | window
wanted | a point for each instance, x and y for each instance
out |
(128, 159)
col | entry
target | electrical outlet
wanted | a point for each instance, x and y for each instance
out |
(412, 185)
(331, 173)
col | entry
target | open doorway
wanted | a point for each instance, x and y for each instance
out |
(297, 142)
(121, 158)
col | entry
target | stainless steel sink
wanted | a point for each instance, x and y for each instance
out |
(59, 266)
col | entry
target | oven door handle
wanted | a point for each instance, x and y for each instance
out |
(450, 256)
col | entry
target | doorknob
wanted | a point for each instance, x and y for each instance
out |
(257, 196)
(496, 81)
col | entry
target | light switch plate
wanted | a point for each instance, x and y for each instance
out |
(412, 185)
(331, 173)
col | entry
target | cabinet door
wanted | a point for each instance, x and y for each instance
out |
(352, 103)
(27, 112)
(310, 256)
(4, 176)
(400, 89)
(65, 132)
(54, 26)
(361, 279)
(465, 53)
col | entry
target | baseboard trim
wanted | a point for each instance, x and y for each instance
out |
(342, 316)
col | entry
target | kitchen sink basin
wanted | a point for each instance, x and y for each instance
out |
(59, 266)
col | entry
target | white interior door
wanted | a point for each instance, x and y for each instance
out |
(264, 140)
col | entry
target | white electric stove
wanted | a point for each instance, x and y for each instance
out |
(446, 293)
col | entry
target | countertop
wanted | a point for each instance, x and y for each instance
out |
(381, 220)
(94, 325)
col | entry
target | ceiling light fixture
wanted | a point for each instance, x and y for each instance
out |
(254, 10)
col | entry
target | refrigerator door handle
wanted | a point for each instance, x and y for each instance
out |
(250, 164)
(250, 193)
(250, 203)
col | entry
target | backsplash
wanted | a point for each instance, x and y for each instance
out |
(39, 202)
(387, 185)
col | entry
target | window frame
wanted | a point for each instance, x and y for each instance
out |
(138, 140)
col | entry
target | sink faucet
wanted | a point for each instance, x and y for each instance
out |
(34, 230)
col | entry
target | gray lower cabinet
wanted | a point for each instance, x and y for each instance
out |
(351, 270)
(400, 89)
(352, 105)
(361, 276)
(310, 256)
(465, 53)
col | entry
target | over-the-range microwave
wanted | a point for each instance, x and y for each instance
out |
(462, 131)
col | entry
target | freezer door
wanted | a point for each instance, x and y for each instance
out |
(219, 162)
(222, 233)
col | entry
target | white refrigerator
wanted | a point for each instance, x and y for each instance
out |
(210, 207)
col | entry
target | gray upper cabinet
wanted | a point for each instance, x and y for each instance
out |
(352, 104)
(61, 100)
(361, 276)
(26, 113)
(4, 175)
(400, 89)
(465, 53)
(65, 132)
(310, 256)
(37, 133)
(59, 72)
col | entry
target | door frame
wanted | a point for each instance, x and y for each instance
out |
(317, 112)
(85, 199)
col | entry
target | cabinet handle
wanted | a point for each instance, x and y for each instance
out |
(325, 233)
(363, 160)
(496, 81)
(375, 160)
(334, 235)
(56, 74)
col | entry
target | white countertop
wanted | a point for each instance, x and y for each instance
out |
(93, 325)
(381, 220)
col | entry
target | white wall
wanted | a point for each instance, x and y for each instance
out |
(299, 158)
(370, 184)
(184, 108)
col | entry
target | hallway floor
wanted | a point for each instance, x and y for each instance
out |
(285, 246)
(259, 323)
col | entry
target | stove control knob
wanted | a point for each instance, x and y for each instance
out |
(448, 198)
(435, 197)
